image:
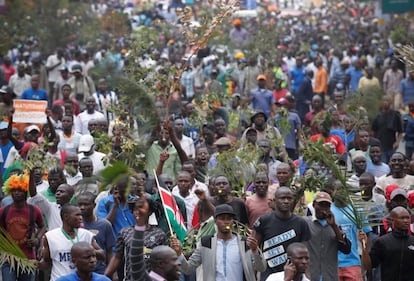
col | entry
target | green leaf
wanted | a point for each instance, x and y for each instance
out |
(11, 253)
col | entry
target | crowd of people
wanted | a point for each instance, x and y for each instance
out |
(231, 102)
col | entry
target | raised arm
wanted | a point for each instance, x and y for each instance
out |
(176, 143)
(138, 271)
(14, 141)
(32, 185)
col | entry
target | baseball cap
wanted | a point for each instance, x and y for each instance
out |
(261, 77)
(411, 197)
(77, 68)
(398, 191)
(85, 143)
(358, 154)
(251, 129)
(223, 141)
(224, 209)
(31, 128)
(7, 90)
(389, 189)
(323, 197)
(239, 55)
(282, 101)
(237, 22)
(257, 113)
(4, 125)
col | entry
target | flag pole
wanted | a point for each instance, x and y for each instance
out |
(162, 201)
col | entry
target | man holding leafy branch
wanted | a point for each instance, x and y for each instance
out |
(20, 220)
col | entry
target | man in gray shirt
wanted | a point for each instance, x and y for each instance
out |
(326, 240)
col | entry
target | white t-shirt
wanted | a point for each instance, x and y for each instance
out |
(54, 74)
(51, 210)
(280, 276)
(83, 119)
(190, 204)
(187, 145)
(59, 247)
(97, 161)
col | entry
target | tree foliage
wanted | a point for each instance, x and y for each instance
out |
(54, 23)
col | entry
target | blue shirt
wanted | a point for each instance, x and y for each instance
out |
(31, 94)
(105, 238)
(351, 231)
(355, 75)
(407, 90)
(262, 99)
(228, 260)
(340, 133)
(123, 218)
(5, 152)
(297, 75)
(377, 170)
(74, 277)
(294, 124)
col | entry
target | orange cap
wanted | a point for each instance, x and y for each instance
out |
(237, 22)
(261, 77)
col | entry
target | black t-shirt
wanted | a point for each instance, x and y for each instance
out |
(277, 235)
(239, 208)
(385, 125)
(395, 253)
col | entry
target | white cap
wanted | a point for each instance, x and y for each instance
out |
(85, 143)
(31, 128)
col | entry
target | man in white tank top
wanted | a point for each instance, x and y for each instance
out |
(58, 243)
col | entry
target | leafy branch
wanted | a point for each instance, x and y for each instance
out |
(11, 253)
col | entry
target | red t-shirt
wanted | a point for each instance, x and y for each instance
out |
(334, 140)
(18, 226)
(280, 94)
(75, 103)
(8, 72)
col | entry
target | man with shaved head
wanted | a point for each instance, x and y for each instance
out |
(84, 259)
(164, 261)
(58, 243)
(276, 230)
(394, 251)
(296, 266)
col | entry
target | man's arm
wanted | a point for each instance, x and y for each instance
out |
(206, 208)
(103, 213)
(194, 261)
(46, 261)
(113, 265)
(163, 157)
(258, 261)
(14, 141)
(344, 245)
(32, 186)
(51, 137)
(100, 254)
(181, 153)
(137, 255)
(366, 259)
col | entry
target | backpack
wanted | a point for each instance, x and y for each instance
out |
(31, 217)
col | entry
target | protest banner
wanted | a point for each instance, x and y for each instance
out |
(29, 111)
